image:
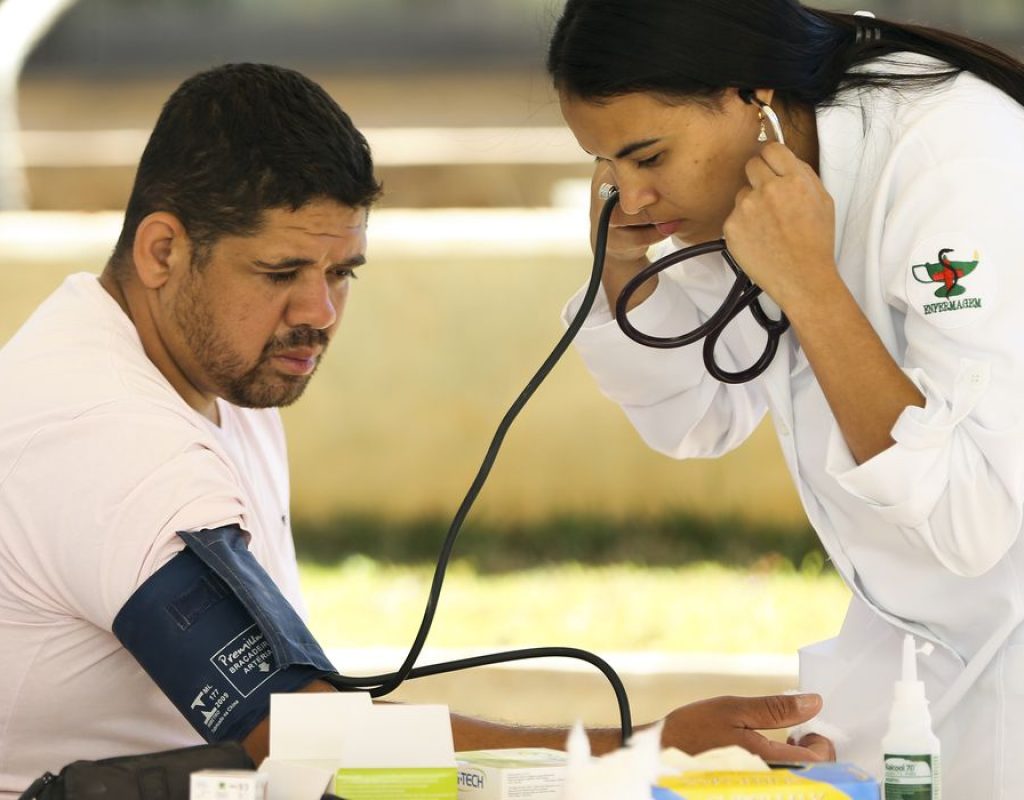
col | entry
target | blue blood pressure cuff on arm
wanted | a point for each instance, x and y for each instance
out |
(217, 636)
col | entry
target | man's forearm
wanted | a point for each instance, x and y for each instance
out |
(468, 733)
(476, 734)
(257, 743)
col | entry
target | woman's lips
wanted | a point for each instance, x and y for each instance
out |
(663, 228)
(668, 228)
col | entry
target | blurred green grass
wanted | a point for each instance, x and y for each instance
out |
(490, 546)
(673, 583)
(703, 607)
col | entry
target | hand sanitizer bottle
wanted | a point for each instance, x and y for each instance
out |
(911, 748)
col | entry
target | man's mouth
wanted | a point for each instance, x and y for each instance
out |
(300, 361)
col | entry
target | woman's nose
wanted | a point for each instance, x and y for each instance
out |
(634, 197)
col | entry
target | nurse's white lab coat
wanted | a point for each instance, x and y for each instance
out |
(925, 533)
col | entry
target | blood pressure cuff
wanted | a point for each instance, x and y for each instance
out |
(217, 636)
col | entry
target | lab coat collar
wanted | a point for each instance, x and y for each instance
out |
(842, 130)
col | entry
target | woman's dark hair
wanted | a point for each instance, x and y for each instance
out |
(238, 140)
(696, 48)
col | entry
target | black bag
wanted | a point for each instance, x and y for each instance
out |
(151, 776)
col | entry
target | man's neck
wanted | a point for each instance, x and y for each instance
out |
(132, 300)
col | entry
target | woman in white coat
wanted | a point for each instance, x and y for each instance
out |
(890, 231)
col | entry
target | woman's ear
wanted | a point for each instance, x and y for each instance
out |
(161, 246)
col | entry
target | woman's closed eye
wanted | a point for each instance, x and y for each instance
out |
(650, 161)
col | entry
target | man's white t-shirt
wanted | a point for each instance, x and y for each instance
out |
(101, 463)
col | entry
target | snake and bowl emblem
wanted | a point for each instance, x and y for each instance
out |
(946, 272)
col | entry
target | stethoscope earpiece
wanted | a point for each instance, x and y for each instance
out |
(767, 112)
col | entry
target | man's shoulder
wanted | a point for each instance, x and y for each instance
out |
(120, 437)
(78, 352)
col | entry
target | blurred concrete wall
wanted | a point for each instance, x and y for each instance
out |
(451, 316)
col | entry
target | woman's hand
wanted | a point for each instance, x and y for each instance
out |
(782, 229)
(782, 232)
(629, 238)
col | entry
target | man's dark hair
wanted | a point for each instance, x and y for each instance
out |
(238, 140)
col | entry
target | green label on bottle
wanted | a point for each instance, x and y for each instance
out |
(911, 777)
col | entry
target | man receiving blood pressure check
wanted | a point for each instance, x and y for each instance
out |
(149, 595)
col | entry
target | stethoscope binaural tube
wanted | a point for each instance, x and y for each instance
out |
(743, 294)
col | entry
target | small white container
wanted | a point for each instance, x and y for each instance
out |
(911, 769)
(227, 784)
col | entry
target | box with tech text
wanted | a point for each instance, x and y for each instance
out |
(529, 773)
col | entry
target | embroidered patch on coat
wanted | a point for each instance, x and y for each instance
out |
(948, 283)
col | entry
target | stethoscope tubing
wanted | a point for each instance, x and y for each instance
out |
(384, 684)
(743, 294)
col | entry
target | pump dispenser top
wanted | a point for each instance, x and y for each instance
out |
(909, 688)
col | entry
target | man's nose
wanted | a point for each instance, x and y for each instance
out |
(313, 303)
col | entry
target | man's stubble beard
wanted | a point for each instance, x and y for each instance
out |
(259, 386)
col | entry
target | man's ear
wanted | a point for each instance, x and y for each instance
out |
(161, 247)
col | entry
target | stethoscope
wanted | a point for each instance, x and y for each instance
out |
(744, 293)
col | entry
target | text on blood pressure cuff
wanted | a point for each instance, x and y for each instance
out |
(217, 636)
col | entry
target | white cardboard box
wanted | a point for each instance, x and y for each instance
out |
(530, 773)
(227, 784)
(398, 752)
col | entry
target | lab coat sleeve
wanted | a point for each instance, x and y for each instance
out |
(954, 479)
(677, 408)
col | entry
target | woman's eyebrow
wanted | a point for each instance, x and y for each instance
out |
(629, 149)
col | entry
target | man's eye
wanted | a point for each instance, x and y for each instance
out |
(345, 272)
(651, 161)
(281, 277)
